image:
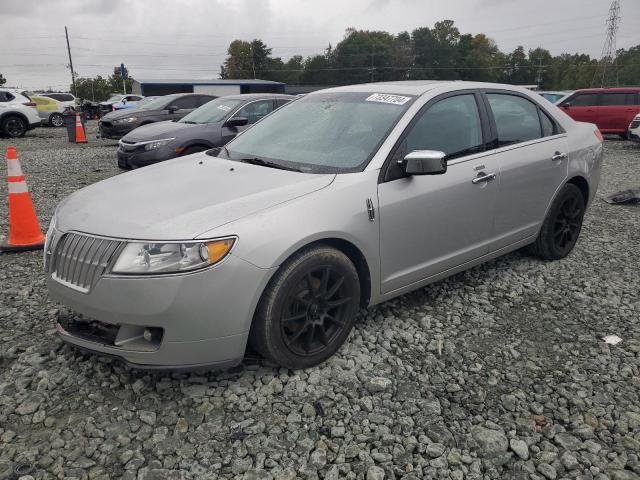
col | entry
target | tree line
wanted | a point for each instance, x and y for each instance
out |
(439, 53)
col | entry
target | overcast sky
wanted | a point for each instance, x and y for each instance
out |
(189, 38)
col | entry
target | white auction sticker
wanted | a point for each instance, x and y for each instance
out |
(387, 98)
(226, 108)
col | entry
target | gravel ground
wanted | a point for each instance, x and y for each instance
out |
(499, 372)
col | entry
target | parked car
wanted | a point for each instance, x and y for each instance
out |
(49, 110)
(211, 125)
(611, 109)
(554, 97)
(124, 103)
(18, 113)
(341, 199)
(634, 129)
(168, 107)
(108, 105)
(67, 100)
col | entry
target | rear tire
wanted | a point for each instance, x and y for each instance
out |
(308, 308)
(14, 126)
(56, 120)
(562, 225)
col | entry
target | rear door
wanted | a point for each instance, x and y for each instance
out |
(532, 153)
(619, 108)
(584, 107)
(432, 223)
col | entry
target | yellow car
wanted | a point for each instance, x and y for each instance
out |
(49, 110)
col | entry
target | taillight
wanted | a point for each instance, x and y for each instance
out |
(30, 104)
(598, 135)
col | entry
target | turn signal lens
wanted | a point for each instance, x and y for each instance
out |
(218, 249)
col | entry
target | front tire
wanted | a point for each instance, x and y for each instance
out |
(308, 308)
(562, 226)
(14, 126)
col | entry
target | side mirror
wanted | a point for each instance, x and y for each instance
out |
(424, 162)
(236, 122)
(173, 109)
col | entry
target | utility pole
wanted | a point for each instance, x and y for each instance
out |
(73, 75)
(609, 49)
(539, 78)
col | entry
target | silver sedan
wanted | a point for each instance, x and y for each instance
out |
(342, 199)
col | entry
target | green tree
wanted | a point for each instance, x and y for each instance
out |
(2, 80)
(95, 89)
(627, 67)
(239, 62)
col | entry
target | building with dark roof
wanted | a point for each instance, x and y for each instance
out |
(215, 87)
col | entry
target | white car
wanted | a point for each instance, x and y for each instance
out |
(65, 99)
(18, 113)
(634, 129)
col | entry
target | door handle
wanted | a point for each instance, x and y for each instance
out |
(558, 156)
(483, 178)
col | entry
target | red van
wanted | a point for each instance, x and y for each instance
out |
(611, 109)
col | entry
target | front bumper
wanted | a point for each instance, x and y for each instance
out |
(115, 131)
(204, 316)
(140, 157)
(635, 136)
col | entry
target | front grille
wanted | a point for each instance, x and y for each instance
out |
(78, 261)
(635, 124)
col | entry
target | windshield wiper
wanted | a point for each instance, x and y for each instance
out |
(188, 121)
(265, 163)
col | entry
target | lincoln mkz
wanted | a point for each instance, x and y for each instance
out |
(339, 200)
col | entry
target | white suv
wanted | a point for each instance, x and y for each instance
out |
(18, 113)
(65, 99)
(634, 129)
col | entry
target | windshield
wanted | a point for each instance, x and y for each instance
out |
(115, 98)
(144, 101)
(157, 103)
(212, 111)
(323, 132)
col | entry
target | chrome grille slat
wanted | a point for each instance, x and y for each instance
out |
(79, 260)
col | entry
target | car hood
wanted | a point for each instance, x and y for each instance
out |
(128, 112)
(182, 198)
(158, 130)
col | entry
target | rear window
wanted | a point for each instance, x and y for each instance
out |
(6, 97)
(619, 98)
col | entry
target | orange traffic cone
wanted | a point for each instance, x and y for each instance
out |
(24, 229)
(80, 136)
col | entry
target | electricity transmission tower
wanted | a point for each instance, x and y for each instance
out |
(604, 74)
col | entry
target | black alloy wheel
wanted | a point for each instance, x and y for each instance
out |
(308, 308)
(562, 225)
(14, 127)
(314, 312)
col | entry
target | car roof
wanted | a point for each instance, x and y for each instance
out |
(416, 87)
(608, 89)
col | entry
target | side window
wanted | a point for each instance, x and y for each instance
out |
(618, 98)
(255, 111)
(282, 101)
(516, 118)
(548, 127)
(6, 97)
(202, 99)
(451, 125)
(186, 103)
(584, 100)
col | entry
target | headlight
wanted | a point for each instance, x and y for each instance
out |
(126, 120)
(156, 258)
(158, 143)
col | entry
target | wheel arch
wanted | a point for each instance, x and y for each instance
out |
(582, 183)
(20, 115)
(197, 143)
(353, 253)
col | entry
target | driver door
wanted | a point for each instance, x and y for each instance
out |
(432, 223)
